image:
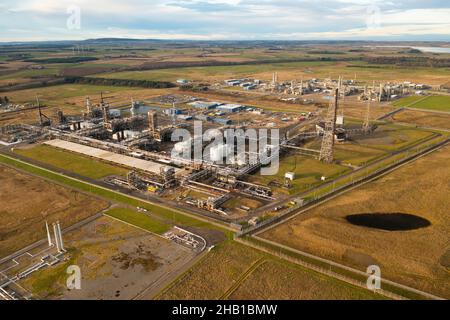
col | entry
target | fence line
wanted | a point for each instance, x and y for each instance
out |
(416, 152)
(319, 269)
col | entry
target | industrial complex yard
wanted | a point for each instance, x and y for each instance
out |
(233, 171)
(120, 262)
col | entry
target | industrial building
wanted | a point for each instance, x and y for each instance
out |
(230, 108)
(204, 105)
(122, 160)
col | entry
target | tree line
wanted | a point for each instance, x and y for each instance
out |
(410, 61)
(120, 82)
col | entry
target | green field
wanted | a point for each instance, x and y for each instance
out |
(439, 103)
(138, 219)
(72, 162)
(308, 173)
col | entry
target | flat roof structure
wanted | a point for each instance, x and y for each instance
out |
(204, 105)
(135, 163)
(231, 107)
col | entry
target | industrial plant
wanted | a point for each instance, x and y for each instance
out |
(140, 139)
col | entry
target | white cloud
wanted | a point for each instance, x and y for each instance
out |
(224, 19)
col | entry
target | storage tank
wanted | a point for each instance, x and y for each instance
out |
(218, 152)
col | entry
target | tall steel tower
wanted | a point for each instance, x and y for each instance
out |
(366, 125)
(326, 152)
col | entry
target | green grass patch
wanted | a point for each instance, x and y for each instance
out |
(72, 162)
(438, 103)
(407, 101)
(308, 173)
(138, 219)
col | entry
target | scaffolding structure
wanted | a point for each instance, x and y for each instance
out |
(366, 124)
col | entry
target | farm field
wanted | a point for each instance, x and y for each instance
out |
(418, 257)
(294, 70)
(69, 161)
(27, 202)
(250, 274)
(117, 262)
(214, 73)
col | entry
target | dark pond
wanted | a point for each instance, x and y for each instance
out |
(388, 221)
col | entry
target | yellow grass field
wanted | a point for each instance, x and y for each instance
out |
(419, 258)
(234, 271)
(423, 119)
(275, 280)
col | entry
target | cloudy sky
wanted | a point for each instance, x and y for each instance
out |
(26, 20)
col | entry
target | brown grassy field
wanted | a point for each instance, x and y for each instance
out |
(210, 278)
(27, 202)
(234, 271)
(276, 280)
(423, 119)
(418, 258)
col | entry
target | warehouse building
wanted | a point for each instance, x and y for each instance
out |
(204, 105)
(231, 108)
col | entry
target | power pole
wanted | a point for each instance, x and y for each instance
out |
(326, 152)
